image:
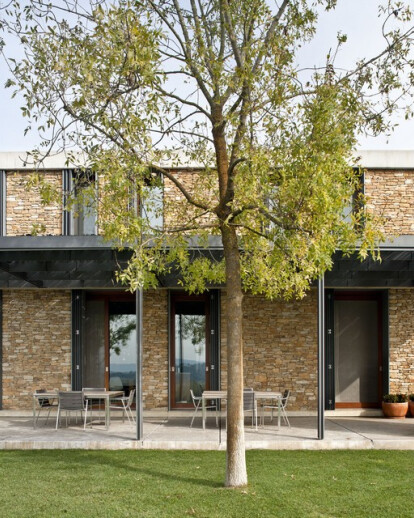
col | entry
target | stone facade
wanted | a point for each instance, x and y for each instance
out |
(36, 344)
(155, 349)
(401, 336)
(280, 347)
(280, 338)
(176, 207)
(391, 196)
(25, 213)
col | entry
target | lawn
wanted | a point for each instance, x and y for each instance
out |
(190, 483)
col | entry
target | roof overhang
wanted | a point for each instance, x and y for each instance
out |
(82, 262)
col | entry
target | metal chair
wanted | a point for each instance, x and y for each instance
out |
(90, 402)
(196, 402)
(72, 401)
(126, 402)
(44, 404)
(250, 404)
(283, 404)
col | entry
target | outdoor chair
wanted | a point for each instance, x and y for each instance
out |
(126, 403)
(197, 402)
(250, 404)
(283, 404)
(90, 402)
(44, 404)
(72, 401)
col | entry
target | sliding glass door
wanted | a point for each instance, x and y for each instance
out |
(189, 357)
(110, 347)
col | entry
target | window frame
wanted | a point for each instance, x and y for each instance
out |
(3, 196)
(69, 221)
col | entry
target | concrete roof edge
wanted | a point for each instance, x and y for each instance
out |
(22, 160)
(370, 159)
(385, 159)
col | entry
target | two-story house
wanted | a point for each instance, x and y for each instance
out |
(66, 323)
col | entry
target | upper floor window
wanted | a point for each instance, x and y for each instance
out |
(355, 200)
(153, 206)
(79, 199)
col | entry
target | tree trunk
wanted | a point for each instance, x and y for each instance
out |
(236, 472)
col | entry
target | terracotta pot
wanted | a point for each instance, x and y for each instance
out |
(411, 407)
(395, 410)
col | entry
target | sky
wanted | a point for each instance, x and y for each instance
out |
(356, 18)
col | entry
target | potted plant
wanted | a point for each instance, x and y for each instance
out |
(395, 406)
(411, 404)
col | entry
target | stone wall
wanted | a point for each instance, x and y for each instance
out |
(155, 349)
(176, 207)
(25, 212)
(36, 344)
(280, 347)
(391, 196)
(401, 336)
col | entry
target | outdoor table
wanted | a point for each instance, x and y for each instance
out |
(222, 394)
(106, 396)
(42, 395)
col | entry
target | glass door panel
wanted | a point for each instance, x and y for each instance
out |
(189, 353)
(122, 346)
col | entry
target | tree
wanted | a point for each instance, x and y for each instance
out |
(141, 83)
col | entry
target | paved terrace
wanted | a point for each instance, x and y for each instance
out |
(171, 430)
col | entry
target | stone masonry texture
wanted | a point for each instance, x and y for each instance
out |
(155, 349)
(280, 347)
(401, 336)
(36, 344)
(391, 196)
(25, 212)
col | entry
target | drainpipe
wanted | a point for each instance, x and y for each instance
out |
(321, 358)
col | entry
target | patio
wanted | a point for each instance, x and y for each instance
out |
(171, 430)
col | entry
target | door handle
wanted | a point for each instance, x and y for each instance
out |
(206, 368)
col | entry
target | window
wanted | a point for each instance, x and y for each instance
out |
(355, 201)
(153, 205)
(79, 201)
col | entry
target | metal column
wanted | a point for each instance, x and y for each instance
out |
(321, 358)
(139, 411)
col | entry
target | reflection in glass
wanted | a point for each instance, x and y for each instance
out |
(190, 355)
(122, 352)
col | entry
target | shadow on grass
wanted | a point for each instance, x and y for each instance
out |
(133, 462)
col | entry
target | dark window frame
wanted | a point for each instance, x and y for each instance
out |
(72, 180)
(3, 193)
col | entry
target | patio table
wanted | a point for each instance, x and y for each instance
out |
(222, 394)
(106, 396)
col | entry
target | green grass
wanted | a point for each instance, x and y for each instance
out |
(179, 484)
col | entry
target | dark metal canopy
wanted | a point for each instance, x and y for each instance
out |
(80, 262)
(395, 269)
(59, 262)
